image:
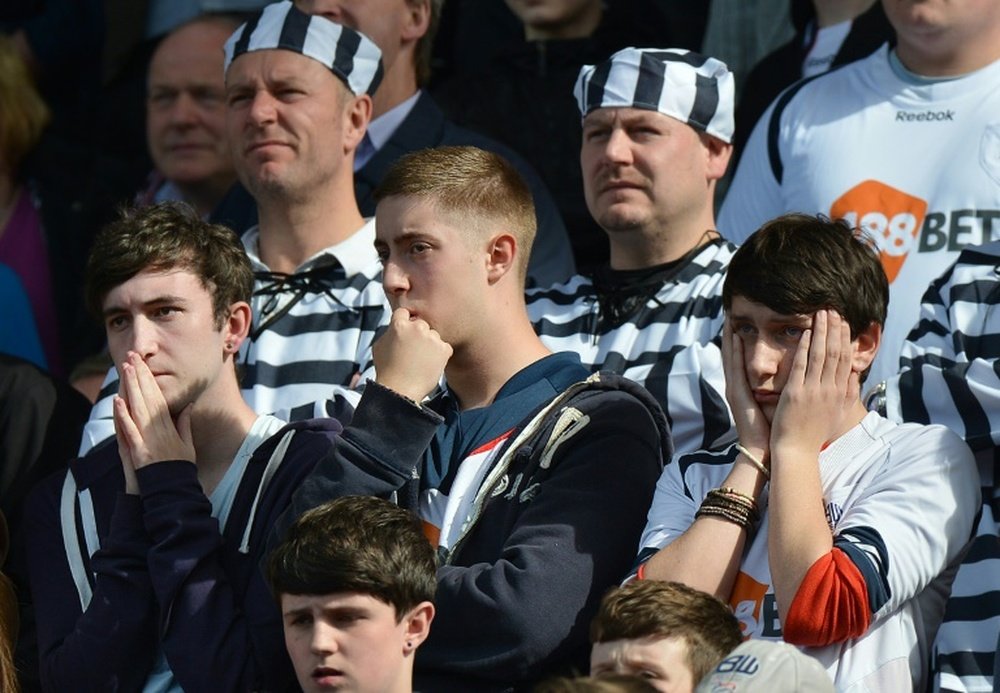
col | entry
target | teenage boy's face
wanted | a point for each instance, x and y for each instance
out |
(661, 661)
(167, 317)
(430, 266)
(346, 642)
(769, 343)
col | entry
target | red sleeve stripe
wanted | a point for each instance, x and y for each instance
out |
(831, 604)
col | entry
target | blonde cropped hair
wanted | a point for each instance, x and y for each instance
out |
(471, 183)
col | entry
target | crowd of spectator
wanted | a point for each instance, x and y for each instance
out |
(499, 345)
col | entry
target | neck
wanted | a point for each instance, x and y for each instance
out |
(830, 12)
(477, 371)
(398, 84)
(638, 250)
(292, 232)
(581, 26)
(205, 196)
(852, 417)
(220, 422)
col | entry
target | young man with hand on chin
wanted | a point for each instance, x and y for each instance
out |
(506, 463)
(144, 557)
(826, 526)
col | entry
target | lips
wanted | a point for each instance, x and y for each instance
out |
(766, 396)
(327, 677)
(264, 144)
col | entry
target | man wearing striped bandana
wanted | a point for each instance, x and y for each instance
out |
(656, 131)
(298, 103)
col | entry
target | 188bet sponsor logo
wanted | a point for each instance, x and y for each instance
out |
(900, 223)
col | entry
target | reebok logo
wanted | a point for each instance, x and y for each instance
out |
(906, 117)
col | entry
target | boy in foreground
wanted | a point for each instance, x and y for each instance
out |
(355, 580)
(826, 526)
(508, 464)
(144, 557)
(668, 633)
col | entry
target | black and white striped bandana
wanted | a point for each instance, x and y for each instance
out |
(349, 54)
(693, 88)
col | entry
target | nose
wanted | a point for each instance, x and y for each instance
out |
(762, 360)
(184, 111)
(394, 280)
(144, 340)
(618, 149)
(262, 109)
(323, 641)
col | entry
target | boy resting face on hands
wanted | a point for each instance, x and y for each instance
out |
(823, 525)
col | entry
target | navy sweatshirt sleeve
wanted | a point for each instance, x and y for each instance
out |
(111, 645)
(375, 456)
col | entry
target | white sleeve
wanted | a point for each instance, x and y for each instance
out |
(755, 194)
(913, 518)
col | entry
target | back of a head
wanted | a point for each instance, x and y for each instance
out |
(470, 183)
(356, 544)
(165, 236)
(653, 608)
(797, 264)
(762, 666)
(8, 618)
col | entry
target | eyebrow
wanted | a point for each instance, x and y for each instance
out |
(158, 301)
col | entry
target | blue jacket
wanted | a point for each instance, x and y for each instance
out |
(562, 509)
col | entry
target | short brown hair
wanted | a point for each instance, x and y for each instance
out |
(25, 114)
(165, 236)
(470, 182)
(653, 608)
(797, 264)
(357, 544)
(605, 683)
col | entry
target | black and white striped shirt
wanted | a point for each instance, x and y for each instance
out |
(950, 375)
(669, 344)
(310, 339)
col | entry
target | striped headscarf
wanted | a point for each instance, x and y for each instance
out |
(349, 54)
(693, 88)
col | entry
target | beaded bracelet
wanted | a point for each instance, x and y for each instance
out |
(728, 503)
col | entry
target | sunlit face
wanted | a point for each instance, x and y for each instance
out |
(168, 319)
(346, 642)
(432, 266)
(186, 107)
(662, 661)
(933, 31)
(286, 122)
(383, 21)
(642, 169)
(769, 343)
